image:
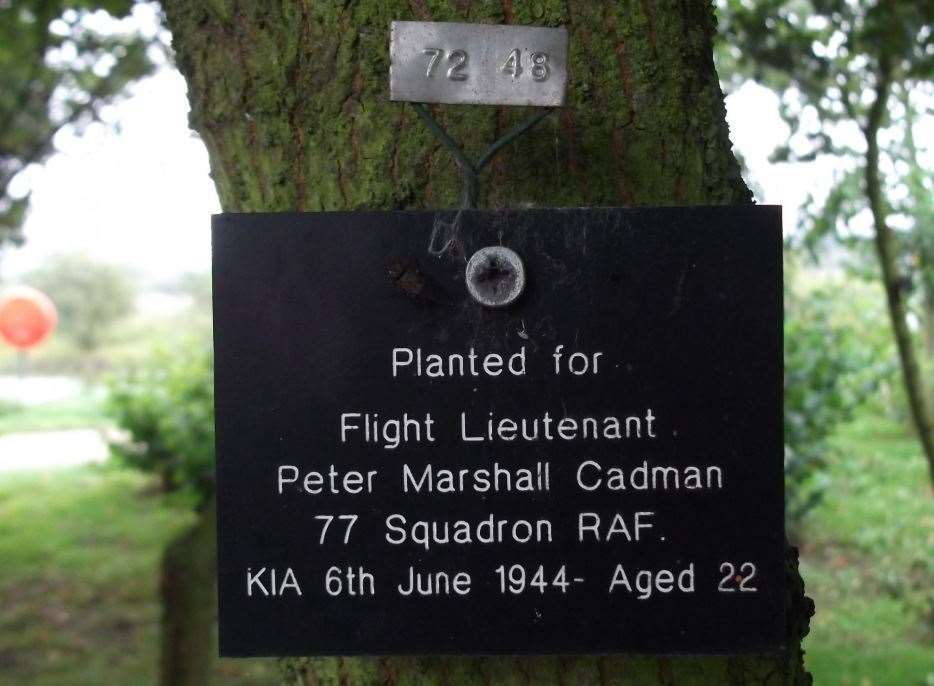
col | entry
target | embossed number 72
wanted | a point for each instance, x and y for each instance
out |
(457, 59)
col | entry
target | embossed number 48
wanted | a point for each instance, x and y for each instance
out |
(513, 65)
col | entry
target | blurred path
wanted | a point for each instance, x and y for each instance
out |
(37, 450)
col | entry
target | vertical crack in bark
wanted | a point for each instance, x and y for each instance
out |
(342, 185)
(509, 16)
(485, 677)
(310, 676)
(445, 671)
(647, 10)
(352, 94)
(357, 89)
(619, 49)
(296, 115)
(688, 87)
(420, 7)
(430, 164)
(499, 162)
(602, 672)
(252, 133)
(222, 164)
(665, 677)
(394, 154)
(342, 675)
(388, 671)
(574, 166)
(523, 669)
(624, 182)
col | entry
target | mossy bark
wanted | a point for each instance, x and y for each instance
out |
(292, 101)
(189, 569)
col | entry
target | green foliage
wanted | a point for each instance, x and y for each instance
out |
(831, 368)
(851, 77)
(8, 407)
(55, 71)
(90, 296)
(81, 412)
(828, 51)
(869, 561)
(826, 58)
(167, 407)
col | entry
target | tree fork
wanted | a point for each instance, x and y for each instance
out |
(291, 99)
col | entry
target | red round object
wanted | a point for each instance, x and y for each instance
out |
(27, 317)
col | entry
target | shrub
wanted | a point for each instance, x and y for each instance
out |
(167, 408)
(832, 366)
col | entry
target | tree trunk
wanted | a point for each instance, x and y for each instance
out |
(887, 251)
(923, 212)
(929, 322)
(189, 569)
(291, 99)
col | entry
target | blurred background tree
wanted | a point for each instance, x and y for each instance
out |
(55, 71)
(832, 368)
(196, 286)
(91, 296)
(851, 76)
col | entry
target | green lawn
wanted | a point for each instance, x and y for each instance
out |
(79, 579)
(868, 562)
(84, 411)
(80, 551)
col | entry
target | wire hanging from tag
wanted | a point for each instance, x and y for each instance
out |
(470, 171)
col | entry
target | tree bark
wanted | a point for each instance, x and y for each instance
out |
(291, 99)
(924, 238)
(887, 251)
(189, 570)
(929, 321)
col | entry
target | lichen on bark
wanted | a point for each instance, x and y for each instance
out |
(291, 99)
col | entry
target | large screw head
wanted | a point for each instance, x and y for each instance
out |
(495, 276)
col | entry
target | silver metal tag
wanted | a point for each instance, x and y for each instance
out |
(478, 64)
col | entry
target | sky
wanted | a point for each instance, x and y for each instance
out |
(136, 191)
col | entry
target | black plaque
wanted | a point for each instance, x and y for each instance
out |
(638, 508)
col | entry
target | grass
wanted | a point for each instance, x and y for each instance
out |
(84, 411)
(868, 562)
(79, 580)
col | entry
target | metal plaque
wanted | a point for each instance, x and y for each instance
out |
(586, 458)
(478, 64)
